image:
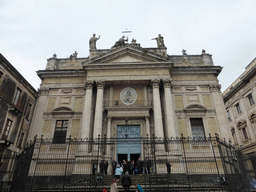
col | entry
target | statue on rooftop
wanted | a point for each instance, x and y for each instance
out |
(92, 41)
(120, 42)
(160, 41)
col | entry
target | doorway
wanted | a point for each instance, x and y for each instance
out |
(128, 142)
(121, 157)
(134, 157)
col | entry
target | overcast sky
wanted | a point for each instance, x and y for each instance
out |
(31, 31)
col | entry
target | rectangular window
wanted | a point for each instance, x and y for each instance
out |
(234, 135)
(228, 114)
(28, 111)
(16, 96)
(238, 108)
(7, 129)
(60, 131)
(197, 127)
(21, 140)
(245, 133)
(251, 100)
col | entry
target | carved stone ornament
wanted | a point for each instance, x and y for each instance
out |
(128, 96)
(100, 84)
(155, 83)
(88, 84)
(167, 83)
(43, 91)
(215, 87)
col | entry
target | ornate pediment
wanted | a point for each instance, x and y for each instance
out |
(62, 111)
(127, 54)
(195, 108)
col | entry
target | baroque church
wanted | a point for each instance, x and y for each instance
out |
(128, 91)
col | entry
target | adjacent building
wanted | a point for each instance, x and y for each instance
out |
(17, 102)
(239, 99)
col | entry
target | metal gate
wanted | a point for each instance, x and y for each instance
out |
(20, 176)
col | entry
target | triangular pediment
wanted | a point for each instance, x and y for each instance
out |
(127, 54)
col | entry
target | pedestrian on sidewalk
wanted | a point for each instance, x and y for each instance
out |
(140, 189)
(126, 181)
(113, 186)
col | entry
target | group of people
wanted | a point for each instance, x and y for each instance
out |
(132, 167)
(126, 183)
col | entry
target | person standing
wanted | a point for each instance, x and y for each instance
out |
(102, 167)
(106, 167)
(113, 186)
(118, 172)
(113, 166)
(132, 167)
(126, 181)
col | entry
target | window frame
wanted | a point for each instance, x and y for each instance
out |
(60, 131)
(7, 129)
(238, 108)
(28, 111)
(16, 96)
(245, 134)
(250, 99)
(21, 139)
(202, 127)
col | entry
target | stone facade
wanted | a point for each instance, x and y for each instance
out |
(130, 85)
(239, 99)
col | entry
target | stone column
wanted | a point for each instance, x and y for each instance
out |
(147, 126)
(86, 117)
(159, 132)
(109, 134)
(169, 114)
(99, 110)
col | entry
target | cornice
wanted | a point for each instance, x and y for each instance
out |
(244, 79)
(61, 73)
(197, 69)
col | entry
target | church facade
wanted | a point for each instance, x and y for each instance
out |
(129, 91)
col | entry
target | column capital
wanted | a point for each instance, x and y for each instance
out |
(215, 87)
(100, 84)
(88, 84)
(155, 83)
(43, 91)
(167, 83)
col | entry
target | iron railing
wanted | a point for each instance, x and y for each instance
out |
(168, 164)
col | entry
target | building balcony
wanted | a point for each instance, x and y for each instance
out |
(17, 108)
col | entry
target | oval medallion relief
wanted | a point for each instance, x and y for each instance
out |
(128, 96)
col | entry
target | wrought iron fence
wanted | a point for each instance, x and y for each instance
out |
(168, 164)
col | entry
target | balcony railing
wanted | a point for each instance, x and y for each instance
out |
(118, 103)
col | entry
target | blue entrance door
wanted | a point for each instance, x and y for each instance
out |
(127, 147)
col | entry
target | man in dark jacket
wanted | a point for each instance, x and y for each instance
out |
(106, 167)
(126, 181)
